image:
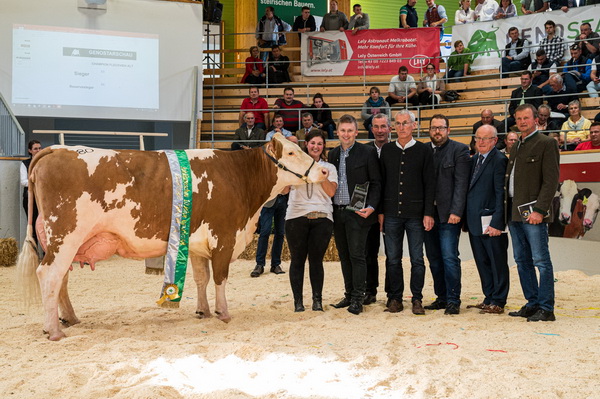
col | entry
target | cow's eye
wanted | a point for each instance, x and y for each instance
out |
(291, 153)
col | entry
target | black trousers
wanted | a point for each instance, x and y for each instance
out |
(350, 235)
(373, 243)
(307, 238)
(35, 210)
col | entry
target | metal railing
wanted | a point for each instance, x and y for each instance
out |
(12, 137)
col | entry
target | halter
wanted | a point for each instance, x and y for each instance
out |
(282, 166)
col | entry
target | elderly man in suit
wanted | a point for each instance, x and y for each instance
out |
(451, 164)
(248, 136)
(486, 222)
(530, 183)
(357, 164)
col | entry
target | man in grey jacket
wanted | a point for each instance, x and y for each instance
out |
(451, 164)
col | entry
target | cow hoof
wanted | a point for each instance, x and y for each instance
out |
(57, 336)
(203, 315)
(224, 317)
(69, 323)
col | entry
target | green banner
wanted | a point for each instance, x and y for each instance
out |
(288, 10)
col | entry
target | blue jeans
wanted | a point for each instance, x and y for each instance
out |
(330, 130)
(510, 66)
(394, 228)
(277, 211)
(593, 89)
(441, 246)
(454, 74)
(530, 248)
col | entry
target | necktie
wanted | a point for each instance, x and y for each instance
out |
(522, 98)
(477, 167)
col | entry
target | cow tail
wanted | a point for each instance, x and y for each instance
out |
(27, 281)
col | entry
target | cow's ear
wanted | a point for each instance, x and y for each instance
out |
(276, 147)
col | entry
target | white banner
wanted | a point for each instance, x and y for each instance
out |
(491, 37)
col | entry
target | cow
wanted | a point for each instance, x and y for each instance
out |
(94, 203)
(568, 191)
(591, 211)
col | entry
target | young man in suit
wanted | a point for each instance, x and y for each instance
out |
(486, 222)
(356, 163)
(530, 183)
(527, 93)
(451, 164)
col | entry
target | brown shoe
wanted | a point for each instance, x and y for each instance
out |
(492, 309)
(478, 306)
(417, 307)
(394, 306)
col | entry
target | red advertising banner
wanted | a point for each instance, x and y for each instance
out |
(370, 51)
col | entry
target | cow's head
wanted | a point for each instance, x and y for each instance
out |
(592, 206)
(568, 190)
(296, 167)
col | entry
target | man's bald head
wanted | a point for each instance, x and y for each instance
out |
(487, 116)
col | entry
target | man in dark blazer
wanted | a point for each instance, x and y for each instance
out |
(248, 132)
(487, 118)
(486, 221)
(530, 183)
(527, 93)
(381, 131)
(356, 163)
(451, 164)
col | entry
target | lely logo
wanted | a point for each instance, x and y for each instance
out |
(419, 61)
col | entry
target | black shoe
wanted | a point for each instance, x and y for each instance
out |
(298, 305)
(258, 270)
(317, 305)
(452, 308)
(277, 270)
(394, 306)
(344, 303)
(436, 305)
(525, 311)
(355, 307)
(542, 315)
(369, 299)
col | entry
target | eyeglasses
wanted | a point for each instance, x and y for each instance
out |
(403, 124)
(438, 128)
(484, 138)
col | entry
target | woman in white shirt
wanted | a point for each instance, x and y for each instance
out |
(309, 224)
(464, 14)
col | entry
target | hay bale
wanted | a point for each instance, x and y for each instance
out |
(331, 255)
(8, 251)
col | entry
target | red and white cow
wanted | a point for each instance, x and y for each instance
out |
(94, 203)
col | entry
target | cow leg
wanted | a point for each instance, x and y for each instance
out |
(201, 276)
(221, 302)
(220, 264)
(51, 277)
(67, 314)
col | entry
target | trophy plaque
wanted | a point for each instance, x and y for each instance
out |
(359, 197)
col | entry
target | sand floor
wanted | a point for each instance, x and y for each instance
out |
(128, 347)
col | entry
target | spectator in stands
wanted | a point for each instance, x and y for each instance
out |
(534, 6)
(304, 22)
(560, 97)
(552, 44)
(559, 140)
(278, 65)
(402, 89)
(485, 10)
(594, 143)
(459, 62)
(431, 89)
(271, 216)
(506, 10)
(334, 19)
(510, 140)
(255, 69)
(564, 5)
(309, 224)
(544, 122)
(278, 128)
(408, 15)
(268, 31)
(590, 41)
(307, 127)
(576, 126)
(527, 93)
(577, 71)
(435, 16)
(359, 21)
(259, 106)
(464, 14)
(290, 109)
(374, 105)
(516, 56)
(248, 132)
(541, 70)
(594, 84)
(322, 115)
(487, 118)
(33, 147)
